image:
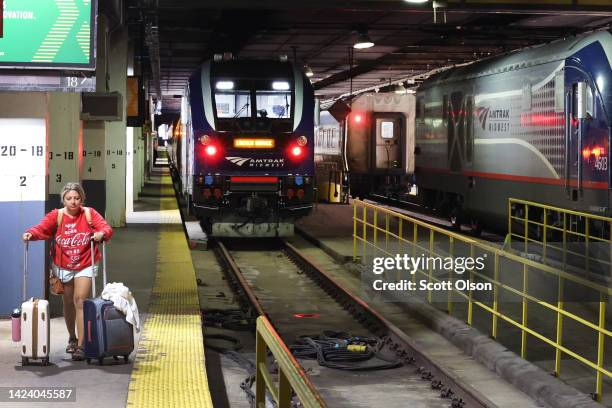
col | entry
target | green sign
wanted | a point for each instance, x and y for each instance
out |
(48, 34)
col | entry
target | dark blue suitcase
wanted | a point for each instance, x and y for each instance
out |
(107, 332)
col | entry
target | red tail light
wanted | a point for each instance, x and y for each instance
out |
(296, 151)
(211, 150)
(290, 193)
(586, 153)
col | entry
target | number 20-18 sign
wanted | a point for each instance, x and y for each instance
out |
(22, 160)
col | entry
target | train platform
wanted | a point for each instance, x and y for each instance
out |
(463, 350)
(150, 256)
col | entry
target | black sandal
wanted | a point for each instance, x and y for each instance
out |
(79, 354)
(72, 344)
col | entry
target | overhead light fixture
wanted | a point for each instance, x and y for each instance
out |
(399, 89)
(308, 71)
(363, 41)
(416, 1)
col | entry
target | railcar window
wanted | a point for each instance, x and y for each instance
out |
(273, 104)
(233, 104)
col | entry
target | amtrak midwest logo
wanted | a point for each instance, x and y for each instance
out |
(498, 119)
(256, 162)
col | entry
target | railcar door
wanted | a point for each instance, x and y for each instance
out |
(388, 141)
(575, 118)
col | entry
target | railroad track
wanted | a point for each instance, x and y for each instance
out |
(245, 275)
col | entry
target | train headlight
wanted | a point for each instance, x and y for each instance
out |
(296, 151)
(205, 140)
(302, 141)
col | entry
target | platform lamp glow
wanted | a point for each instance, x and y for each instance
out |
(363, 41)
(416, 1)
(308, 71)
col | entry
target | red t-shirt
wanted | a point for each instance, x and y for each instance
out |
(72, 237)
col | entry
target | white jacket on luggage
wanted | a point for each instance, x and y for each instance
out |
(123, 300)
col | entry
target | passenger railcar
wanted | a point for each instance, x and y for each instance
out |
(380, 147)
(248, 147)
(533, 124)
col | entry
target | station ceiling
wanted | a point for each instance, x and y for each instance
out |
(173, 37)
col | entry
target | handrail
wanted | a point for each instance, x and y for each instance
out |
(439, 242)
(291, 377)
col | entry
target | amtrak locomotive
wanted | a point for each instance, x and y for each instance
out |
(533, 124)
(244, 147)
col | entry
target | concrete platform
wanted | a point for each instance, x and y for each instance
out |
(491, 365)
(133, 254)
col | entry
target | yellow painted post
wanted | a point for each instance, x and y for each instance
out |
(495, 295)
(600, 345)
(260, 360)
(544, 241)
(526, 231)
(510, 219)
(524, 319)
(586, 247)
(560, 306)
(415, 233)
(564, 240)
(430, 269)
(451, 272)
(365, 233)
(375, 229)
(470, 293)
(354, 232)
(399, 242)
(387, 232)
(284, 390)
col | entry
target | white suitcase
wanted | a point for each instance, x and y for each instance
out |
(35, 327)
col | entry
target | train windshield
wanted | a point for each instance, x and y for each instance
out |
(273, 104)
(268, 103)
(233, 104)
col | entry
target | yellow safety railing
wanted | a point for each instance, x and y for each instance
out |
(576, 241)
(291, 377)
(518, 287)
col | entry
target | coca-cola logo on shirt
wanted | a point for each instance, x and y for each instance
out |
(77, 240)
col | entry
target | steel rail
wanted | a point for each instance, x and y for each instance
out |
(463, 394)
(404, 347)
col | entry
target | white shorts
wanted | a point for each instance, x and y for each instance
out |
(66, 275)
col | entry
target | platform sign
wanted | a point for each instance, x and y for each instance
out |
(22, 159)
(23, 166)
(48, 34)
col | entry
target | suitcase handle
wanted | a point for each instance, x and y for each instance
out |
(25, 270)
(93, 279)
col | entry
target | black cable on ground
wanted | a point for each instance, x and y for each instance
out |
(232, 319)
(342, 351)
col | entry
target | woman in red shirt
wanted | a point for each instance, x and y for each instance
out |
(73, 231)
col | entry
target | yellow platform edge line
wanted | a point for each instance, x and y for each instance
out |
(170, 369)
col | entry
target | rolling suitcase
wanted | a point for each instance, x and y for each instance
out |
(107, 333)
(35, 325)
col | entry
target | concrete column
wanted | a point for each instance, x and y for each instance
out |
(65, 133)
(23, 192)
(116, 132)
(94, 135)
